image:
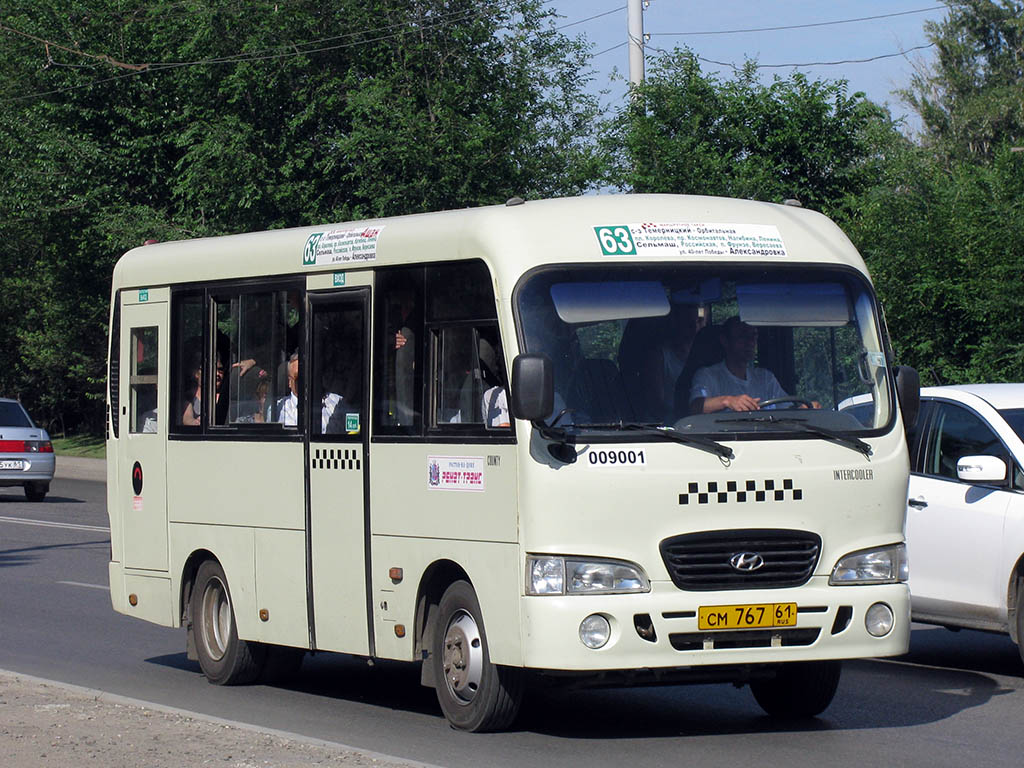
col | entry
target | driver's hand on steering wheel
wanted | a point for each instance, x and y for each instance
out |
(741, 402)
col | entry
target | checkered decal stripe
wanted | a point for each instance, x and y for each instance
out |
(335, 458)
(740, 491)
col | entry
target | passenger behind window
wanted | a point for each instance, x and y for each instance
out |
(286, 409)
(495, 400)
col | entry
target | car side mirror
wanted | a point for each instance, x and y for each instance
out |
(981, 469)
(908, 392)
(533, 387)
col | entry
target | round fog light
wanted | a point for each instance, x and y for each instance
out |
(878, 620)
(595, 631)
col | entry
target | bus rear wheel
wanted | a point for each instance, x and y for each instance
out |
(223, 657)
(474, 694)
(799, 689)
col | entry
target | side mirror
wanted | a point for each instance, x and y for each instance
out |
(981, 469)
(533, 387)
(908, 392)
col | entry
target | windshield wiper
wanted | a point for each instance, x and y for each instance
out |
(670, 433)
(801, 425)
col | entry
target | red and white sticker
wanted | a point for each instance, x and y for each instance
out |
(455, 473)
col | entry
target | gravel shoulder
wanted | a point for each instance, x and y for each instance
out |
(45, 723)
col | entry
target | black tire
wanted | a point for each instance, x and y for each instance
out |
(799, 689)
(474, 694)
(36, 491)
(282, 664)
(225, 660)
(1020, 618)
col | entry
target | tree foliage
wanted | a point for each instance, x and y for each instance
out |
(690, 132)
(122, 122)
(970, 102)
(940, 229)
(945, 254)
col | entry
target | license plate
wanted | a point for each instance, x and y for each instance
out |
(17, 464)
(759, 616)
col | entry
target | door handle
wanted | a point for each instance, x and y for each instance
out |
(918, 503)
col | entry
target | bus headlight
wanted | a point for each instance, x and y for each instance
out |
(554, 575)
(886, 565)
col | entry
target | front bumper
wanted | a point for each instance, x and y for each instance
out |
(830, 625)
(36, 467)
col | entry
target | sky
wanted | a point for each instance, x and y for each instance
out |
(664, 19)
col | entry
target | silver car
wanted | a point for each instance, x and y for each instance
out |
(26, 453)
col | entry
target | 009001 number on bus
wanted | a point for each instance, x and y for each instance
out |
(616, 458)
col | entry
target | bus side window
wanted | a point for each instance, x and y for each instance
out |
(258, 332)
(398, 394)
(143, 379)
(337, 370)
(470, 377)
(186, 362)
(458, 379)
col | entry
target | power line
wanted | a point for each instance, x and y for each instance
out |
(98, 56)
(814, 63)
(591, 18)
(614, 47)
(442, 21)
(798, 26)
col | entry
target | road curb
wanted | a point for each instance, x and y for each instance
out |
(116, 699)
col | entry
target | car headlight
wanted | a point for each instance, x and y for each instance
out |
(885, 565)
(554, 575)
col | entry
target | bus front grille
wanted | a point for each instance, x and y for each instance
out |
(744, 638)
(741, 559)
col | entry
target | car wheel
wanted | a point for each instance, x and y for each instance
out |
(1020, 618)
(799, 689)
(474, 694)
(225, 660)
(36, 491)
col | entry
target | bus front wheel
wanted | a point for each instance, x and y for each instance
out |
(799, 689)
(223, 657)
(474, 694)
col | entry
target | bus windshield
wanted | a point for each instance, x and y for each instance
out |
(708, 349)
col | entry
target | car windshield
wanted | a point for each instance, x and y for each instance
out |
(1015, 418)
(675, 346)
(13, 415)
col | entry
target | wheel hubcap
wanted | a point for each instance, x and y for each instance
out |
(215, 621)
(463, 657)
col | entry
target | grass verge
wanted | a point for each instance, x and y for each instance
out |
(89, 446)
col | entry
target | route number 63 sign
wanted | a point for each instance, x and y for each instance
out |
(616, 241)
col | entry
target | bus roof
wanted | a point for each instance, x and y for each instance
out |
(511, 238)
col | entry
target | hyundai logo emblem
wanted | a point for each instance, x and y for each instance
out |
(746, 561)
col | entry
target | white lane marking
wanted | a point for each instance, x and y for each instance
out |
(83, 584)
(49, 524)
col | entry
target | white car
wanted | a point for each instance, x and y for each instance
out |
(26, 454)
(965, 511)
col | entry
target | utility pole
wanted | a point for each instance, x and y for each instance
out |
(635, 21)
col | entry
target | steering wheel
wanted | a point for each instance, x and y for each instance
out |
(776, 400)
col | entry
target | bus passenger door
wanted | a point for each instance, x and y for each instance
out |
(337, 471)
(142, 457)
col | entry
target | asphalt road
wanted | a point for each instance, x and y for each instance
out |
(955, 699)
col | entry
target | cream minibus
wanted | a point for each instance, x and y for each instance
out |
(575, 441)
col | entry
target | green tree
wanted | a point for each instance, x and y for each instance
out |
(945, 254)
(182, 118)
(691, 132)
(970, 100)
